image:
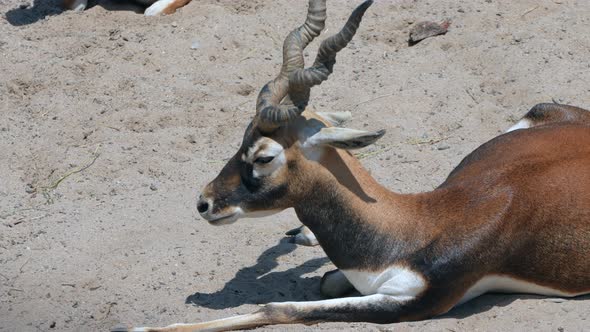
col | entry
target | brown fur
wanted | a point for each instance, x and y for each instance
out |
(171, 9)
(548, 113)
(68, 4)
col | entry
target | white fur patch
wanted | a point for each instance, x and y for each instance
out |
(265, 147)
(306, 237)
(522, 124)
(399, 282)
(258, 214)
(341, 136)
(158, 8)
(315, 141)
(269, 168)
(345, 302)
(225, 324)
(502, 284)
(236, 213)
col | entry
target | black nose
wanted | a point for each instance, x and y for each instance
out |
(202, 206)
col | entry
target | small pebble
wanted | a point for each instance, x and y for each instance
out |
(426, 29)
(29, 189)
(153, 187)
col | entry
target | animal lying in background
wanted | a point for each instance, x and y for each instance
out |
(514, 216)
(154, 7)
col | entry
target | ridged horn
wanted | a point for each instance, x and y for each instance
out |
(272, 107)
(285, 97)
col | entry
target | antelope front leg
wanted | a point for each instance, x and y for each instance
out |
(303, 236)
(376, 308)
(335, 284)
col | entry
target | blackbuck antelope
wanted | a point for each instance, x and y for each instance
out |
(154, 7)
(514, 216)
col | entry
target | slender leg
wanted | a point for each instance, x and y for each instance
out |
(303, 236)
(376, 308)
(334, 284)
(165, 7)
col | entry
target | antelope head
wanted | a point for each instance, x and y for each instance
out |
(286, 147)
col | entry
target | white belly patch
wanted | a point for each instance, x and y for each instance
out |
(397, 281)
(503, 284)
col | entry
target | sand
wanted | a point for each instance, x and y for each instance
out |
(112, 122)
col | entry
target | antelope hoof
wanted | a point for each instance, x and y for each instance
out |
(334, 284)
(78, 5)
(302, 236)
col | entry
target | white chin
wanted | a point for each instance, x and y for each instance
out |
(239, 213)
(260, 214)
(224, 220)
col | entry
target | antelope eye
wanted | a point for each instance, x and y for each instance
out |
(263, 160)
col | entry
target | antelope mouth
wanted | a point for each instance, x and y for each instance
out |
(224, 220)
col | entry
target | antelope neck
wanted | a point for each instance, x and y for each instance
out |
(358, 223)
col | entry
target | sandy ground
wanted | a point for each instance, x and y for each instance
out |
(154, 106)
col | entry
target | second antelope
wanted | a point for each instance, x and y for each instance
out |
(514, 216)
(154, 7)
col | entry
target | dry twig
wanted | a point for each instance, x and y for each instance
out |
(56, 183)
(372, 99)
(418, 141)
(110, 305)
(529, 10)
(73, 171)
(22, 266)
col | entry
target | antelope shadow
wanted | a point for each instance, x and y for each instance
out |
(257, 284)
(25, 15)
(488, 301)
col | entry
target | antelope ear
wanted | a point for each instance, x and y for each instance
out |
(335, 118)
(344, 138)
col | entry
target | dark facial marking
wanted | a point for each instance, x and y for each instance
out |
(251, 183)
